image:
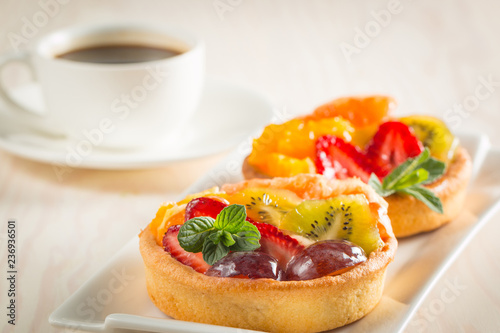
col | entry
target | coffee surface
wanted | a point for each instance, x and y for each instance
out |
(118, 54)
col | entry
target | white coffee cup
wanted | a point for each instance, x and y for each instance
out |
(118, 105)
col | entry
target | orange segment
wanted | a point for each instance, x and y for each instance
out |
(365, 113)
(173, 214)
(285, 166)
(279, 165)
(299, 139)
(293, 142)
(158, 220)
(360, 111)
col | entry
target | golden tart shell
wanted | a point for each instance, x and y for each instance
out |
(264, 304)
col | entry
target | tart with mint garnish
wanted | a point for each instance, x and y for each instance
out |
(414, 162)
(298, 254)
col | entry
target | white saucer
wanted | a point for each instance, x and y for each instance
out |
(227, 114)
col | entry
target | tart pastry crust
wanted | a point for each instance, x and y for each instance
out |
(410, 216)
(265, 304)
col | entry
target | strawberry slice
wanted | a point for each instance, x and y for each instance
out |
(205, 206)
(277, 244)
(336, 158)
(171, 245)
(273, 242)
(393, 144)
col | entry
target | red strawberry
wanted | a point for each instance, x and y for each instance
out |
(277, 244)
(337, 159)
(171, 245)
(205, 206)
(393, 144)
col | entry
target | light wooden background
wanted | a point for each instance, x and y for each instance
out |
(430, 55)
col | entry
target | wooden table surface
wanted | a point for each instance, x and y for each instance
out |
(434, 57)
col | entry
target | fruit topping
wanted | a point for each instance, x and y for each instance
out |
(323, 258)
(364, 113)
(277, 244)
(266, 205)
(346, 217)
(300, 135)
(215, 238)
(409, 177)
(281, 165)
(171, 245)
(221, 234)
(360, 111)
(288, 149)
(393, 144)
(205, 206)
(247, 265)
(434, 134)
(337, 159)
(167, 216)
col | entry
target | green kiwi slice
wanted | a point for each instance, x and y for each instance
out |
(434, 134)
(343, 217)
(266, 204)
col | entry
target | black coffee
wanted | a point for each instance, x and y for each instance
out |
(118, 54)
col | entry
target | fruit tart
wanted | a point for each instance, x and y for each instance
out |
(298, 254)
(414, 162)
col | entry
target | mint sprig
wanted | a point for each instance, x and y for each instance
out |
(409, 177)
(215, 238)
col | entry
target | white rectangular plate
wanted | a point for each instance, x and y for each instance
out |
(116, 296)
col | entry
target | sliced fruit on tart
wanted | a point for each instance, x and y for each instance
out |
(434, 134)
(277, 244)
(262, 287)
(171, 245)
(247, 265)
(392, 145)
(266, 204)
(205, 206)
(283, 166)
(346, 217)
(361, 111)
(337, 159)
(365, 113)
(173, 213)
(287, 149)
(273, 242)
(217, 228)
(329, 257)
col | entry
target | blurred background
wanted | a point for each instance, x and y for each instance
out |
(429, 56)
(434, 57)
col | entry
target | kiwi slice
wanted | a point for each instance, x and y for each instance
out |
(434, 134)
(266, 204)
(346, 217)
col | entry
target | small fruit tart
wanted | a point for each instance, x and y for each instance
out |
(414, 162)
(298, 254)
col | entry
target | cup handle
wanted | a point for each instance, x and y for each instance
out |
(20, 114)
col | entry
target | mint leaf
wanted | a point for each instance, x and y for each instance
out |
(216, 237)
(405, 169)
(213, 252)
(436, 169)
(231, 218)
(227, 238)
(426, 196)
(416, 177)
(375, 183)
(193, 232)
(247, 239)
(408, 177)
